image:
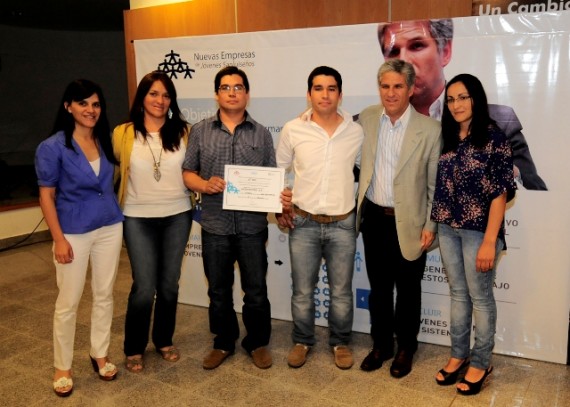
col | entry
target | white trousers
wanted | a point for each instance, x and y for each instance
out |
(103, 247)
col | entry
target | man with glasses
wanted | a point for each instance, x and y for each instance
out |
(427, 45)
(231, 137)
(321, 148)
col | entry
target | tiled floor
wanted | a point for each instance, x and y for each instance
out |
(27, 295)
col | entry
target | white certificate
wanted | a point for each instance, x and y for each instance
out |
(255, 189)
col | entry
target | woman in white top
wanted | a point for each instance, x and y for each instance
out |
(150, 148)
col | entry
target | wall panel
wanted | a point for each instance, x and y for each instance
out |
(418, 9)
(263, 15)
(198, 17)
(205, 17)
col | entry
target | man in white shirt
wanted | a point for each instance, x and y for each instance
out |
(321, 148)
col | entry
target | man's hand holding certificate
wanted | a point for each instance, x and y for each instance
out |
(255, 189)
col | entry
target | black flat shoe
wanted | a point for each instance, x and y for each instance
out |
(474, 388)
(451, 377)
(104, 371)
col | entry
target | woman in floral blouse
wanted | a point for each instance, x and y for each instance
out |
(475, 176)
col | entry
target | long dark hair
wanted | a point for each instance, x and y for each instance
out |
(480, 122)
(174, 127)
(77, 91)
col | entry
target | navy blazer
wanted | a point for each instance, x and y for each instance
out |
(83, 200)
(508, 121)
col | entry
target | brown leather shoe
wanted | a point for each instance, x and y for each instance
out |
(374, 360)
(298, 355)
(261, 357)
(402, 364)
(215, 358)
(343, 357)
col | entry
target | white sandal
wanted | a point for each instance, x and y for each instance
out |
(62, 383)
(103, 372)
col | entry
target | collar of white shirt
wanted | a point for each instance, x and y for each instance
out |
(402, 120)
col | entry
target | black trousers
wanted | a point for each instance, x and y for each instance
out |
(388, 269)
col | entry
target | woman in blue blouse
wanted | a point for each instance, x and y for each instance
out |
(475, 176)
(75, 176)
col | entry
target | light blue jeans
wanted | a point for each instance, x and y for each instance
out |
(309, 242)
(471, 293)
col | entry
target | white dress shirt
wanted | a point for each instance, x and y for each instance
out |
(436, 108)
(390, 138)
(322, 166)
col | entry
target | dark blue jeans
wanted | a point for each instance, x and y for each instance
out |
(219, 253)
(156, 248)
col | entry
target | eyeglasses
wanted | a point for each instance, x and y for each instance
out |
(228, 88)
(460, 99)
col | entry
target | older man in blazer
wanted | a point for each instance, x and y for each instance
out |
(397, 179)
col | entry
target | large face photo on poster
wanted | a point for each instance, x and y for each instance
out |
(523, 62)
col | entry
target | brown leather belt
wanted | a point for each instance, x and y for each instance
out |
(387, 211)
(320, 218)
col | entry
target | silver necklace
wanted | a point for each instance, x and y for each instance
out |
(156, 166)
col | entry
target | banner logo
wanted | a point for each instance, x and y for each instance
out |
(174, 65)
